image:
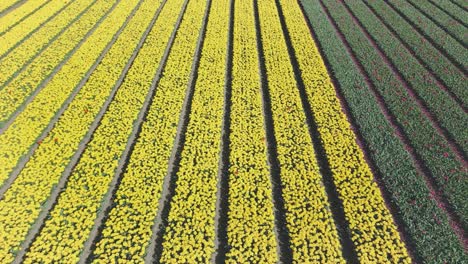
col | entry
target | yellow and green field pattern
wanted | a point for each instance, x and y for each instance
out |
(188, 131)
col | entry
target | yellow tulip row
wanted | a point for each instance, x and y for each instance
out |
(5, 4)
(9, 20)
(137, 198)
(34, 184)
(19, 32)
(313, 236)
(250, 229)
(25, 129)
(372, 228)
(72, 219)
(19, 56)
(15, 93)
(190, 233)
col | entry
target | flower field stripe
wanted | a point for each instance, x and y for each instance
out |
(12, 19)
(151, 154)
(123, 100)
(222, 194)
(18, 59)
(155, 248)
(15, 144)
(462, 5)
(245, 216)
(455, 140)
(108, 203)
(191, 217)
(417, 144)
(295, 151)
(7, 6)
(444, 70)
(451, 26)
(351, 173)
(15, 36)
(451, 10)
(80, 115)
(451, 47)
(55, 138)
(23, 88)
(393, 164)
(438, 107)
(423, 131)
(283, 239)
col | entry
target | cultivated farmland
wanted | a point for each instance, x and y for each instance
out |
(233, 131)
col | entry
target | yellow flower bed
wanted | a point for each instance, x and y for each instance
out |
(251, 236)
(371, 224)
(19, 56)
(33, 185)
(137, 198)
(190, 233)
(9, 20)
(72, 218)
(313, 234)
(17, 33)
(23, 132)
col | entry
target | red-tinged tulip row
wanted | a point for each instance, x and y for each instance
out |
(372, 228)
(18, 57)
(23, 199)
(136, 201)
(314, 237)
(441, 19)
(390, 156)
(15, 16)
(441, 66)
(189, 236)
(36, 116)
(250, 230)
(72, 218)
(16, 34)
(432, 31)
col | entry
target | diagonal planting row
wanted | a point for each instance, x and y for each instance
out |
(189, 232)
(154, 112)
(436, 35)
(28, 80)
(438, 159)
(250, 217)
(16, 60)
(58, 91)
(121, 119)
(8, 4)
(452, 10)
(16, 35)
(430, 233)
(21, 13)
(136, 202)
(440, 108)
(452, 77)
(372, 229)
(63, 141)
(441, 19)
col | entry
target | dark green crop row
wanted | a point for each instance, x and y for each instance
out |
(438, 102)
(430, 146)
(441, 66)
(457, 30)
(461, 3)
(438, 35)
(426, 224)
(452, 9)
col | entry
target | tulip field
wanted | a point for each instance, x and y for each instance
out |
(233, 131)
